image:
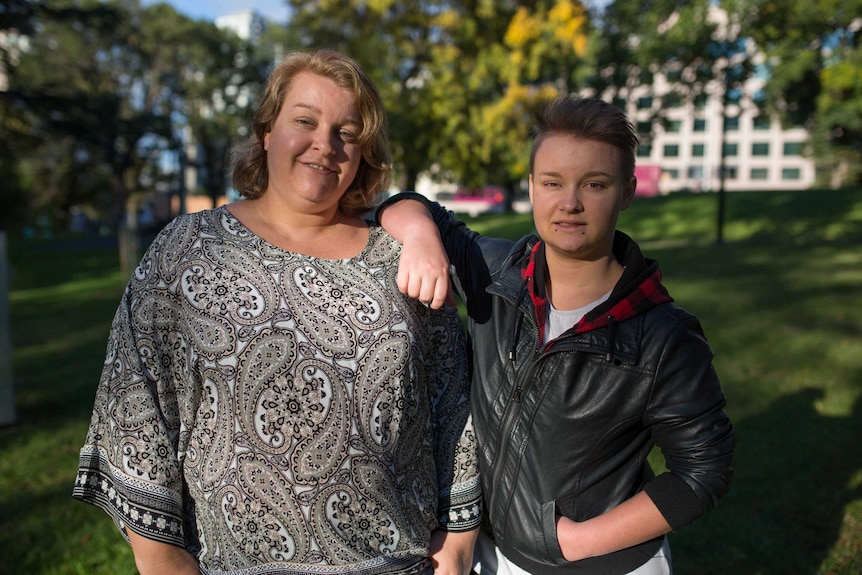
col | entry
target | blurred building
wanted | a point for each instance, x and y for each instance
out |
(248, 25)
(684, 143)
(684, 150)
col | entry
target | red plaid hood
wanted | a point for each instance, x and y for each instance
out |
(640, 289)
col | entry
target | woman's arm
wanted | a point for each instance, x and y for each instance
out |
(629, 523)
(156, 558)
(423, 271)
(452, 552)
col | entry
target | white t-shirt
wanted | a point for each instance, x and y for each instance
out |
(488, 560)
(561, 320)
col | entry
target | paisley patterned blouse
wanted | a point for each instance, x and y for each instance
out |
(277, 413)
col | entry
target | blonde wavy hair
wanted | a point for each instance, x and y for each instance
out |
(248, 159)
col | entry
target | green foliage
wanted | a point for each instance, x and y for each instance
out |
(100, 90)
(459, 78)
(104, 89)
(815, 57)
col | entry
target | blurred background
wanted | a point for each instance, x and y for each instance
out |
(117, 115)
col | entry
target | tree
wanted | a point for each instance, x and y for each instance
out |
(677, 53)
(218, 83)
(500, 62)
(814, 59)
(102, 91)
(459, 78)
(44, 107)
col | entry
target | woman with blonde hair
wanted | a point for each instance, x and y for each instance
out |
(270, 402)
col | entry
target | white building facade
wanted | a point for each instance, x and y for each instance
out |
(248, 25)
(684, 151)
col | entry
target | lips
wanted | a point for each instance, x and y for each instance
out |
(319, 168)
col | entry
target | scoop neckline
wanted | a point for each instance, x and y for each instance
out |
(272, 247)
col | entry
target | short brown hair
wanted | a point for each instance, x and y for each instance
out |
(249, 161)
(588, 118)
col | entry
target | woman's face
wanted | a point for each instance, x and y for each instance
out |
(578, 190)
(312, 150)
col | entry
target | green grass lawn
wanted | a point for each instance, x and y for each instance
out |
(779, 300)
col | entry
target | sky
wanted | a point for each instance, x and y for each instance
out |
(273, 9)
(212, 9)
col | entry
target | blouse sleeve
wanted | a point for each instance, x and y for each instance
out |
(460, 495)
(129, 465)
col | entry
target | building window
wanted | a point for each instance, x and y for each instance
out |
(671, 150)
(644, 150)
(791, 173)
(619, 103)
(734, 96)
(697, 150)
(672, 100)
(759, 173)
(644, 127)
(760, 122)
(760, 149)
(700, 101)
(731, 149)
(731, 124)
(644, 102)
(699, 125)
(695, 172)
(792, 148)
(673, 126)
(730, 172)
(670, 173)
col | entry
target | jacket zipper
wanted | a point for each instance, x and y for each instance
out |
(512, 412)
(513, 409)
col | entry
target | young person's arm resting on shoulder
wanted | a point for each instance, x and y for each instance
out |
(452, 552)
(157, 558)
(629, 523)
(423, 270)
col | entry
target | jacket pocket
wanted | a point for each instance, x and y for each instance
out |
(549, 534)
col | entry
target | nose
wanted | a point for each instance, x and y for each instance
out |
(326, 143)
(571, 202)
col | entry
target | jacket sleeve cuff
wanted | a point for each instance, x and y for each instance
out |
(676, 501)
(397, 198)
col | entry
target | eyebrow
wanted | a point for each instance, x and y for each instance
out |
(591, 174)
(315, 109)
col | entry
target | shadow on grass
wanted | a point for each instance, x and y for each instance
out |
(785, 510)
(58, 357)
(52, 533)
(789, 364)
(62, 299)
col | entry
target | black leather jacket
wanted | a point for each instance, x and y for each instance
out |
(566, 428)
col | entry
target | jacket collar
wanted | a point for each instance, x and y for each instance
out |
(638, 290)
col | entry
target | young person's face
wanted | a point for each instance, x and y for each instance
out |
(312, 150)
(577, 189)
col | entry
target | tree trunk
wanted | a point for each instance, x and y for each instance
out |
(7, 385)
(127, 238)
(410, 177)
